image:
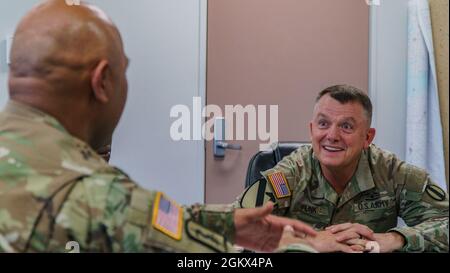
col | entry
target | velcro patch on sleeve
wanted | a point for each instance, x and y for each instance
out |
(279, 184)
(167, 216)
(435, 192)
(206, 237)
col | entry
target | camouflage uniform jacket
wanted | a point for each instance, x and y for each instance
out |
(382, 189)
(54, 189)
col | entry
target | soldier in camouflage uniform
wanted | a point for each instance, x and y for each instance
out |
(347, 187)
(68, 89)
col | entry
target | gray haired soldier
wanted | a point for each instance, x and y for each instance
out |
(351, 190)
(68, 88)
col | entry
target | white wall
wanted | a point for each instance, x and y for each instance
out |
(387, 73)
(165, 42)
(10, 13)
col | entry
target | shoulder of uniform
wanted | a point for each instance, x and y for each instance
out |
(103, 187)
(303, 150)
(416, 178)
(377, 154)
(304, 155)
(386, 164)
(299, 158)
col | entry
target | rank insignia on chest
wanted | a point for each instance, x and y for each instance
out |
(167, 216)
(279, 184)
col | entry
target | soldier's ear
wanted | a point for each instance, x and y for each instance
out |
(99, 81)
(369, 137)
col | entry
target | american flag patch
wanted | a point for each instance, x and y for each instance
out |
(167, 216)
(280, 185)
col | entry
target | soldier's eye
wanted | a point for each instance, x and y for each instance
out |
(347, 126)
(322, 124)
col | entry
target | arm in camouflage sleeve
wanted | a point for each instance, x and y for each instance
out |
(110, 213)
(203, 228)
(219, 218)
(125, 220)
(424, 207)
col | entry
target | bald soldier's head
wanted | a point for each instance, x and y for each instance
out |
(69, 62)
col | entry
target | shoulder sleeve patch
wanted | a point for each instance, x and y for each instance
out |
(279, 185)
(259, 193)
(167, 216)
(435, 192)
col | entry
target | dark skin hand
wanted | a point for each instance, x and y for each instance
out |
(258, 229)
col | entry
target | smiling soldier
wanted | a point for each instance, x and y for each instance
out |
(352, 190)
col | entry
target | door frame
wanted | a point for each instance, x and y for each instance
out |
(203, 42)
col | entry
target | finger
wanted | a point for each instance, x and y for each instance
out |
(360, 242)
(301, 235)
(299, 227)
(340, 227)
(267, 209)
(289, 230)
(348, 249)
(261, 212)
(356, 231)
(364, 231)
(361, 230)
(304, 228)
(357, 248)
(347, 235)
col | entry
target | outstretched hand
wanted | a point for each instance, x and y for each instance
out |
(258, 230)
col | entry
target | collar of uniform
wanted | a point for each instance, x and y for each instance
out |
(361, 181)
(29, 112)
(324, 187)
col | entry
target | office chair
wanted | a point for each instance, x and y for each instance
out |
(265, 160)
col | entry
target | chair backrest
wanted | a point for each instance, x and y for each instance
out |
(265, 160)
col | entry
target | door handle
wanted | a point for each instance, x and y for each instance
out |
(219, 139)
